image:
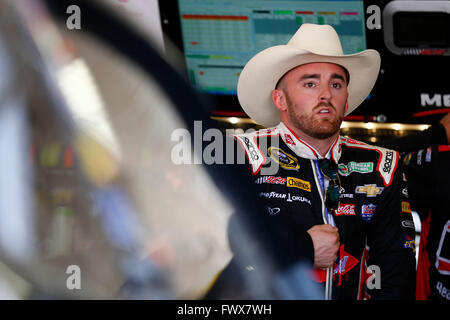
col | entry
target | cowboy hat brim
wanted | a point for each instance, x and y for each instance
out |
(261, 74)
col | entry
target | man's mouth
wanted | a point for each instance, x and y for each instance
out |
(324, 110)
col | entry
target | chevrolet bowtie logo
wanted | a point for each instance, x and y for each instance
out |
(370, 189)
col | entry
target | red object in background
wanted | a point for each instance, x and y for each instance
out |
(432, 52)
(429, 113)
(68, 157)
(229, 113)
(32, 154)
(423, 266)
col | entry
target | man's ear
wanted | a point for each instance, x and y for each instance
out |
(279, 99)
(346, 107)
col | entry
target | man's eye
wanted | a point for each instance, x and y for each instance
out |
(336, 85)
(310, 85)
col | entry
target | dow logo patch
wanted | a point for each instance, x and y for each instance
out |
(359, 167)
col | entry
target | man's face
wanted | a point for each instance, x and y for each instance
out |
(314, 99)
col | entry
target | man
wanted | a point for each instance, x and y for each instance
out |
(346, 196)
(437, 134)
(428, 172)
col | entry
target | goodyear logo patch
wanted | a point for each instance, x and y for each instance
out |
(406, 207)
(285, 160)
(298, 183)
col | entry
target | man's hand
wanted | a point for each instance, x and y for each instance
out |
(445, 121)
(326, 244)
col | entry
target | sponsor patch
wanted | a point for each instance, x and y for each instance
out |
(367, 211)
(272, 211)
(285, 160)
(371, 190)
(288, 139)
(408, 224)
(272, 194)
(267, 131)
(298, 183)
(297, 198)
(443, 291)
(409, 243)
(270, 180)
(387, 167)
(254, 155)
(252, 151)
(349, 140)
(406, 207)
(419, 157)
(442, 259)
(342, 194)
(407, 159)
(358, 167)
(405, 192)
(428, 155)
(346, 209)
(288, 197)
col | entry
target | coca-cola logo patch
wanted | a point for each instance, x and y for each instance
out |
(346, 209)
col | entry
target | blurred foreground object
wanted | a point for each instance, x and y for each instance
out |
(88, 175)
(99, 207)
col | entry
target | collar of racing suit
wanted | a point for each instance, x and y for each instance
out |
(305, 150)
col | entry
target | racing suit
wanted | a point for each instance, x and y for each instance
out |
(428, 173)
(376, 254)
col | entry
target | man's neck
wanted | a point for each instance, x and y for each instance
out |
(321, 145)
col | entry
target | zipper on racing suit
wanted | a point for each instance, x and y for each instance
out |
(327, 219)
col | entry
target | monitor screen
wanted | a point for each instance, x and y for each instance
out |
(422, 29)
(219, 37)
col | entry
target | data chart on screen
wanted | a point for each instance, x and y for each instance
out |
(219, 37)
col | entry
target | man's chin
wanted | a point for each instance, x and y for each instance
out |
(325, 130)
(323, 135)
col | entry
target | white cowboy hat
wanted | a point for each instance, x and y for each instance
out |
(311, 43)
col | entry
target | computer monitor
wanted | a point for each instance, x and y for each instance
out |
(218, 37)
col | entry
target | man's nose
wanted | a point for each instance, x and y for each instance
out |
(325, 94)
